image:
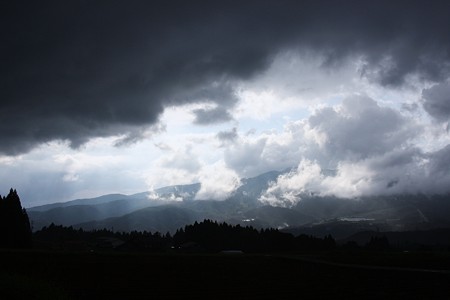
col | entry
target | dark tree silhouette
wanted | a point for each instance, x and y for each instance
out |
(15, 229)
(378, 243)
(61, 237)
(206, 236)
(311, 243)
(214, 237)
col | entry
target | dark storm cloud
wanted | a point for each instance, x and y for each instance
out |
(227, 137)
(73, 70)
(211, 115)
(436, 101)
(135, 135)
(220, 93)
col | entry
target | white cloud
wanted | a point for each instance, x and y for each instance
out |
(217, 182)
(372, 150)
(171, 197)
(285, 192)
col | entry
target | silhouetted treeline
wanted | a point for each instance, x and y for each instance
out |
(378, 243)
(15, 229)
(212, 237)
(207, 236)
(69, 238)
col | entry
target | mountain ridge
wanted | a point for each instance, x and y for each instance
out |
(170, 207)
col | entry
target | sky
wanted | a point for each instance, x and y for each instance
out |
(97, 97)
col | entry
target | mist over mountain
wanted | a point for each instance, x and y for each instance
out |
(169, 208)
(107, 206)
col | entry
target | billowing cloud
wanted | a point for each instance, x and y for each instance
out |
(356, 129)
(77, 70)
(358, 148)
(407, 171)
(285, 191)
(251, 156)
(359, 128)
(217, 182)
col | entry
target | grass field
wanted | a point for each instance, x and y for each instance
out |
(60, 275)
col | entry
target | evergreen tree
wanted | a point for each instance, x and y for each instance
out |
(15, 229)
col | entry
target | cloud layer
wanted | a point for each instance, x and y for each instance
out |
(78, 70)
(360, 148)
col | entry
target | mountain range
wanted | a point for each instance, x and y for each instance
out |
(170, 208)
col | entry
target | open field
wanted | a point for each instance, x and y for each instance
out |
(45, 275)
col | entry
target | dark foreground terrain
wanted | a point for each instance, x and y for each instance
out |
(62, 275)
